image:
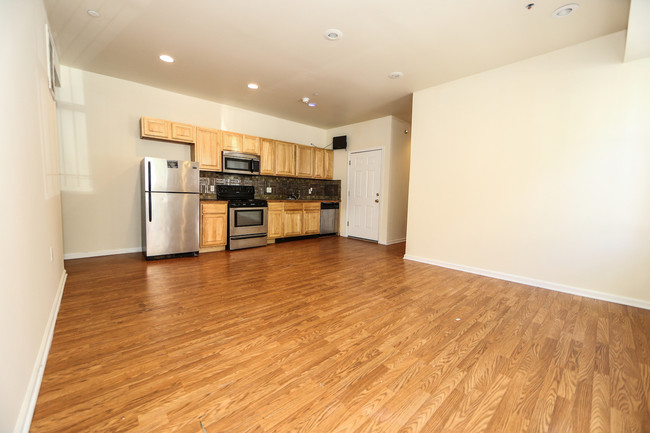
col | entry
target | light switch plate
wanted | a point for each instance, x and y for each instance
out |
(269, 190)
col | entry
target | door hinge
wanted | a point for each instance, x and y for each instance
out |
(348, 223)
(349, 162)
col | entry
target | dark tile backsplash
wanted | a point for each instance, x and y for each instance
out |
(283, 187)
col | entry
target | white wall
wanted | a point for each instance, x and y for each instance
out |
(101, 150)
(32, 281)
(400, 160)
(385, 133)
(539, 171)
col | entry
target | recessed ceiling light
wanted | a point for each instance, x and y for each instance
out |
(93, 13)
(395, 75)
(253, 86)
(565, 10)
(166, 58)
(333, 34)
(312, 104)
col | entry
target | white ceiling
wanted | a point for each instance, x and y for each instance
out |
(221, 45)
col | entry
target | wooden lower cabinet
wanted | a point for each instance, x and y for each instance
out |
(292, 219)
(311, 218)
(275, 220)
(214, 224)
(289, 218)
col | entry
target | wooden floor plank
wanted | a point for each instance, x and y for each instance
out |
(334, 335)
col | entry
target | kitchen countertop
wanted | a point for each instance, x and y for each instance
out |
(213, 197)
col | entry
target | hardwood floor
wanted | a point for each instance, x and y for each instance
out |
(335, 335)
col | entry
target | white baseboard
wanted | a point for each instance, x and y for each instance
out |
(395, 241)
(29, 401)
(69, 256)
(633, 302)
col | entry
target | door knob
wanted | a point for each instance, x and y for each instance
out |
(376, 200)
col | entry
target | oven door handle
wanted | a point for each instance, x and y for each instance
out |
(257, 235)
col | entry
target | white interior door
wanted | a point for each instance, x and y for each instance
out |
(364, 189)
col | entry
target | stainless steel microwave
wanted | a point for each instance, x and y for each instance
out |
(242, 163)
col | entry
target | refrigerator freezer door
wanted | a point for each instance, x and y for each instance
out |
(171, 223)
(171, 175)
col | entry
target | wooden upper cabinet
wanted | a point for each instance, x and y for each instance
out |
(318, 163)
(231, 141)
(208, 149)
(303, 161)
(329, 164)
(267, 157)
(285, 158)
(182, 132)
(155, 128)
(250, 144)
(166, 130)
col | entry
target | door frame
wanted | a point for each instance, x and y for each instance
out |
(381, 192)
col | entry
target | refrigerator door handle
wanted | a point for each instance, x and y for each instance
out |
(149, 188)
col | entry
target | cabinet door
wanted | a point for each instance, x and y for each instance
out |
(250, 144)
(154, 128)
(292, 219)
(318, 163)
(231, 141)
(208, 149)
(267, 157)
(303, 161)
(329, 164)
(275, 220)
(182, 132)
(214, 224)
(285, 158)
(312, 221)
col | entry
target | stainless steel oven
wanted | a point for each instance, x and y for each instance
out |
(241, 163)
(247, 216)
(248, 226)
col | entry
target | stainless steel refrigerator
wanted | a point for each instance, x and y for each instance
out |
(170, 198)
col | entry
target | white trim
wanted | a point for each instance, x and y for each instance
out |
(632, 302)
(381, 192)
(29, 401)
(394, 241)
(101, 253)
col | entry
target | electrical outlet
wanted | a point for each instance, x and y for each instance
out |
(211, 188)
(310, 190)
(269, 190)
(51, 254)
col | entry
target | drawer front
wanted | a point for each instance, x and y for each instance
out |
(311, 206)
(289, 206)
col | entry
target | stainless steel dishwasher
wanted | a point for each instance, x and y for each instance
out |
(329, 218)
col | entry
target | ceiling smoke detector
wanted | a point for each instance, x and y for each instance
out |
(395, 75)
(565, 10)
(333, 34)
(305, 100)
(92, 13)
